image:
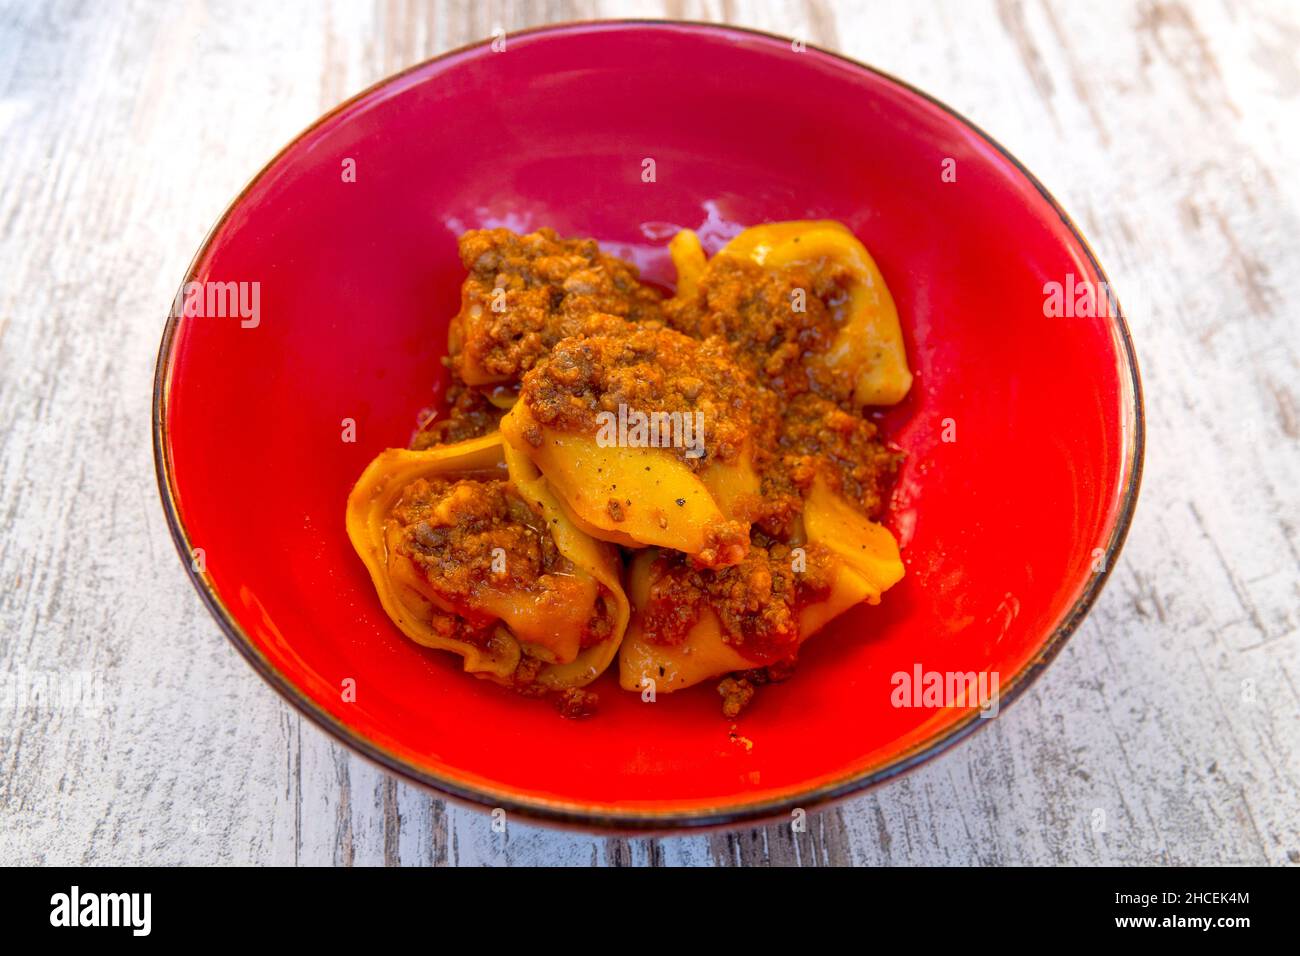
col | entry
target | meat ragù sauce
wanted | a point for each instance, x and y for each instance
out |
(757, 602)
(819, 439)
(654, 369)
(773, 319)
(470, 539)
(525, 293)
(753, 349)
(470, 414)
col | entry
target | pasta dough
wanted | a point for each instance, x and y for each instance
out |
(431, 527)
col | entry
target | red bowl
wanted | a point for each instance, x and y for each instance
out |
(1007, 531)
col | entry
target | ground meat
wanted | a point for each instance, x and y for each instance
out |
(772, 319)
(736, 695)
(818, 438)
(469, 415)
(738, 690)
(652, 370)
(773, 673)
(574, 702)
(525, 676)
(451, 530)
(551, 288)
(757, 601)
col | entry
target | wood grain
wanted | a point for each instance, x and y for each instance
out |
(1169, 729)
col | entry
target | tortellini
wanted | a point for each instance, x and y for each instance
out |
(868, 345)
(859, 557)
(705, 455)
(859, 560)
(468, 561)
(649, 438)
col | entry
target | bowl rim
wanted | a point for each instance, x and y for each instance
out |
(570, 814)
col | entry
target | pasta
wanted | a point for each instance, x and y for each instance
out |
(868, 344)
(430, 525)
(678, 637)
(682, 475)
(689, 483)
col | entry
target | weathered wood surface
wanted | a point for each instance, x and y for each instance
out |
(1169, 729)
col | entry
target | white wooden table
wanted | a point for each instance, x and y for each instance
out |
(1169, 729)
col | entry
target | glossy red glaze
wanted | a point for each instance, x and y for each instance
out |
(358, 280)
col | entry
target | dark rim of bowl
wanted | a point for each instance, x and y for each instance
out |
(558, 812)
